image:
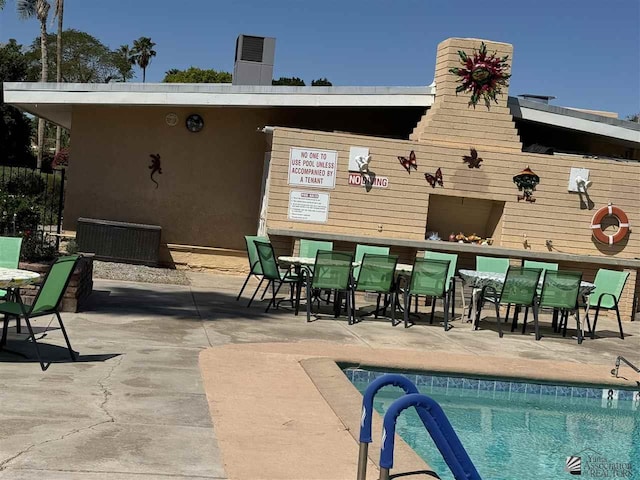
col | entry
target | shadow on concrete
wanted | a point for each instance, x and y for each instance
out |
(19, 349)
(184, 304)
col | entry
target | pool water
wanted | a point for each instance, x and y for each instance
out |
(520, 431)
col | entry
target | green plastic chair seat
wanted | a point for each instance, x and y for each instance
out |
(560, 289)
(361, 250)
(609, 282)
(520, 286)
(309, 248)
(492, 264)
(376, 273)
(453, 263)
(332, 270)
(11, 308)
(429, 277)
(252, 253)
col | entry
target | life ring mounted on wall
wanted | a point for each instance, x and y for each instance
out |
(619, 215)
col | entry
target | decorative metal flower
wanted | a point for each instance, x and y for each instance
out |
(482, 75)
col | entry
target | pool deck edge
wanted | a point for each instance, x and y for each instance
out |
(286, 411)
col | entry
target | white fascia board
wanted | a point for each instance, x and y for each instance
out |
(580, 124)
(231, 99)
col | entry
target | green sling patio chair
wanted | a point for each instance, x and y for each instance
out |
(46, 302)
(255, 269)
(332, 271)
(560, 291)
(10, 248)
(376, 275)
(492, 264)
(272, 272)
(545, 267)
(361, 250)
(428, 279)
(609, 285)
(519, 289)
(489, 265)
(451, 281)
(309, 248)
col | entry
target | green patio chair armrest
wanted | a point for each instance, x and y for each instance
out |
(615, 300)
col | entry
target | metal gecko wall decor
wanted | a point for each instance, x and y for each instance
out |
(155, 167)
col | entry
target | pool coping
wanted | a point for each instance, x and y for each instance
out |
(310, 375)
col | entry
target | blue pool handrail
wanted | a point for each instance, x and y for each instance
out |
(434, 420)
(440, 429)
(392, 379)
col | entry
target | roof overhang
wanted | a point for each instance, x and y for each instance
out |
(55, 102)
(574, 120)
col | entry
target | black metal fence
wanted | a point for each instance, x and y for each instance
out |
(31, 206)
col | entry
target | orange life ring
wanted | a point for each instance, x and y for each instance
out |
(620, 216)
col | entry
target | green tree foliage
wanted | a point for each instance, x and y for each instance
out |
(289, 81)
(123, 61)
(143, 52)
(321, 82)
(196, 75)
(15, 127)
(85, 59)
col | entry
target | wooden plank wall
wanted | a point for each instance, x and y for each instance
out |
(400, 211)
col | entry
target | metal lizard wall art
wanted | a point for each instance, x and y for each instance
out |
(155, 166)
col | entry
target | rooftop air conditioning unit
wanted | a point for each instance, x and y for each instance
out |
(254, 60)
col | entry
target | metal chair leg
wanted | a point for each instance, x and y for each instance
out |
(497, 305)
(536, 324)
(243, 286)
(433, 309)
(446, 312)
(595, 321)
(524, 323)
(615, 303)
(275, 294)
(255, 292)
(407, 306)
(66, 337)
(35, 344)
(578, 326)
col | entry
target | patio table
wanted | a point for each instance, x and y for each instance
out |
(478, 280)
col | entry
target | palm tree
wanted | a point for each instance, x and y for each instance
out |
(2, 2)
(59, 12)
(40, 10)
(142, 53)
(125, 60)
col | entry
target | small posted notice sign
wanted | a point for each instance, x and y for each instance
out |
(308, 206)
(312, 168)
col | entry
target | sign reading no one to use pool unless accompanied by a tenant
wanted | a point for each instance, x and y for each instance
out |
(312, 168)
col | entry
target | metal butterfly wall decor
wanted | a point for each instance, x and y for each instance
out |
(434, 180)
(473, 160)
(409, 163)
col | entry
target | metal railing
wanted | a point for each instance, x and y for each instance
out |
(31, 206)
(433, 418)
(620, 359)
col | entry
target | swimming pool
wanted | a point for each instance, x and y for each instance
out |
(521, 431)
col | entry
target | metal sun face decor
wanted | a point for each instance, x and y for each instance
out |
(482, 75)
(526, 181)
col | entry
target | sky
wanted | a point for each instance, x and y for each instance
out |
(584, 52)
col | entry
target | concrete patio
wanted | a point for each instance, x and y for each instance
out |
(134, 405)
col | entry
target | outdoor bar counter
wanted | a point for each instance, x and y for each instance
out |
(588, 264)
